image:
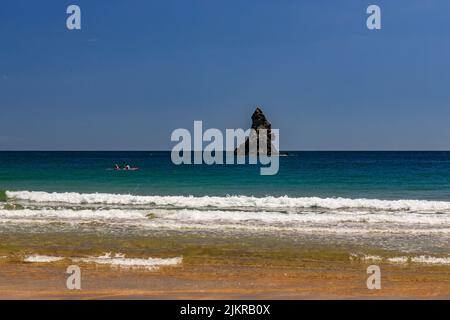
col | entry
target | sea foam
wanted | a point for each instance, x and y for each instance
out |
(430, 260)
(119, 260)
(116, 260)
(42, 258)
(234, 217)
(243, 202)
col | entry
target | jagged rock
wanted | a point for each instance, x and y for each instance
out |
(259, 121)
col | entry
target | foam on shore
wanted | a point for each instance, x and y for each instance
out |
(430, 260)
(116, 260)
(42, 258)
(119, 260)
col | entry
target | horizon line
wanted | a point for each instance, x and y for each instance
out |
(305, 150)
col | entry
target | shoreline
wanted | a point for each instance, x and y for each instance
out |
(213, 268)
(310, 280)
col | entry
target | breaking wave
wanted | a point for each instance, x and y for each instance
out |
(229, 202)
(224, 215)
(220, 216)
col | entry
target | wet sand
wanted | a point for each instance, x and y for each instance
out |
(309, 280)
(213, 267)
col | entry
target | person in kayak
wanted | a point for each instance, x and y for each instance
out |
(125, 166)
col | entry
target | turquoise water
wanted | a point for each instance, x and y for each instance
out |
(376, 175)
(394, 201)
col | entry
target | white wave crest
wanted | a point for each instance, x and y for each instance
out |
(431, 260)
(42, 259)
(268, 202)
(113, 214)
(119, 260)
(402, 259)
(221, 217)
(288, 219)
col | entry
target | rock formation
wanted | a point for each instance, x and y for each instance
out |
(259, 121)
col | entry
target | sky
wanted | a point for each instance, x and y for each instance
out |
(137, 70)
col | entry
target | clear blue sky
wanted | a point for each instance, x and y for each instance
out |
(139, 69)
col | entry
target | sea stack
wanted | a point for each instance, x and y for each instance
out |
(259, 121)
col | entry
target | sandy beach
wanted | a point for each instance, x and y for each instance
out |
(229, 273)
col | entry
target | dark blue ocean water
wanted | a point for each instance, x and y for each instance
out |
(380, 175)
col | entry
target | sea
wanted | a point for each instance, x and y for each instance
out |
(380, 205)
